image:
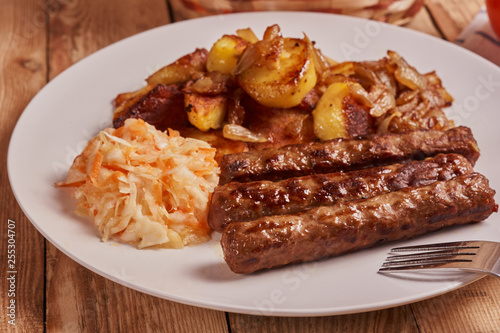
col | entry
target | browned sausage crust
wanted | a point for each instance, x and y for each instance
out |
(236, 202)
(345, 227)
(346, 154)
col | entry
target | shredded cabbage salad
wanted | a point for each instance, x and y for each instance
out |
(144, 186)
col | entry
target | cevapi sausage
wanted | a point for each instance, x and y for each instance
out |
(236, 202)
(345, 227)
(346, 154)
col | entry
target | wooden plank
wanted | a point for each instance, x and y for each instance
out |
(79, 28)
(77, 299)
(423, 22)
(81, 301)
(452, 16)
(22, 74)
(474, 308)
(397, 320)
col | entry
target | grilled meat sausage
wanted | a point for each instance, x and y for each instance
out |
(236, 202)
(345, 227)
(346, 154)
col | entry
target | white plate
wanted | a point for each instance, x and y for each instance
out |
(77, 104)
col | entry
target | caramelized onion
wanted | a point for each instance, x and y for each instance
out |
(384, 103)
(406, 74)
(265, 52)
(344, 68)
(385, 77)
(240, 133)
(211, 83)
(406, 97)
(365, 74)
(248, 58)
(360, 94)
(248, 35)
(272, 32)
(384, 125)
(329, 78)
(320, 63)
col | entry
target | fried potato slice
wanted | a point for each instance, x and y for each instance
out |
(338, 115)
(224, 54)
(278, 72)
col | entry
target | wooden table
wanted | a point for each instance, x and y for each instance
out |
(41, 38)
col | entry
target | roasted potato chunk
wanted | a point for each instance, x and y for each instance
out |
(280, 72)
(338, 114)
(183, 69)
(276, 91)
(224, 54)
(205, 112)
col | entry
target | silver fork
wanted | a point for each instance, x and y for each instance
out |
(475, 256)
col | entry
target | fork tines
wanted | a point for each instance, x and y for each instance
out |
(438, 246)
(437, 255)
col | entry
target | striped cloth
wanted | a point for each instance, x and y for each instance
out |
(480, 38)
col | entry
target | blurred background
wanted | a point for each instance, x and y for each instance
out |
(391, 11)
(476, 32)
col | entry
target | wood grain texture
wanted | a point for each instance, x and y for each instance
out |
(79, 300)
(22, 74)
(423, 22)
(397, 320)
(78, 28)
(472, 309)
(452, 16)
